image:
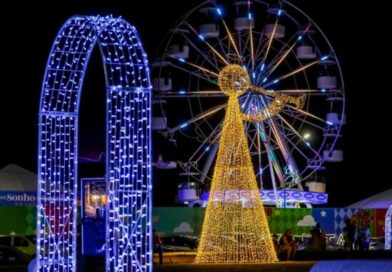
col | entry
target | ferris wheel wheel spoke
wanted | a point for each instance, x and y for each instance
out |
(303, 112)
(282, 54)
(191, 94)
(271, 38)
(283, 148)
(295, 146)
(281, 59)
(294, 91)
(252, 137)
(198, 117)
(272, 159)
(296, 71)
(259, 157)
(298, 135)
(271, 145)
(288, 133)
(286, 152)
(245, 40)
(210, 138)
(208, 44)
(293, 142)
(195, 47)
(302, 120)
(199, 67)
(251, 42)
(261, 46)
(231, 39)
(196, 74)
(278, 138)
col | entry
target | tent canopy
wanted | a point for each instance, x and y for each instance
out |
(382, 200)
(16, 178)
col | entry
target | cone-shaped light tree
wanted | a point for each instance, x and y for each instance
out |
(235, 228)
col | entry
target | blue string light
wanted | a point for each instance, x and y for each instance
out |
(128, 172)
(388, 229)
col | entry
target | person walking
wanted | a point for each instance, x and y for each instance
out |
(158, 246)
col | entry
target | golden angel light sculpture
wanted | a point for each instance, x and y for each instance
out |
(235, 228)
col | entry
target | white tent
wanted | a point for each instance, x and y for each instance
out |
(382, 200)
(16, 178)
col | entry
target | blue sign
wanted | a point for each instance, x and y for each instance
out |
(17, 198)
(325, 216)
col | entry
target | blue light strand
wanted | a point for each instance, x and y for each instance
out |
(388, 229)
(128, 149)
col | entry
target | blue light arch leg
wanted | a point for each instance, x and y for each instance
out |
(128, 169)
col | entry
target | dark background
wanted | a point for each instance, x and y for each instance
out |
(358, 31)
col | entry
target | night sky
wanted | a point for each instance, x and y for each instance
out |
(358, 31)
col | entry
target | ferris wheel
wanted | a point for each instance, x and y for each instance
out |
(293, 106)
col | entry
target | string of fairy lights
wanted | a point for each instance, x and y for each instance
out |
(235, 228)
(388, 229)
(128, 145)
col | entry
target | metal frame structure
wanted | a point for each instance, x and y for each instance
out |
(128, 169)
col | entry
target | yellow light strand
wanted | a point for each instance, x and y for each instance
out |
(273, 108)
(235, 228)
(231, 39)
(200, 68)
(210, 46)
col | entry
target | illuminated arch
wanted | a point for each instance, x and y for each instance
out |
(128, 164)
(388, 229)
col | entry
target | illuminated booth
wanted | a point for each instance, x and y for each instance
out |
(94, 201)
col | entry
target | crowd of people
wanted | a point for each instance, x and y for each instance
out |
(355, 238)
(287, 246)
